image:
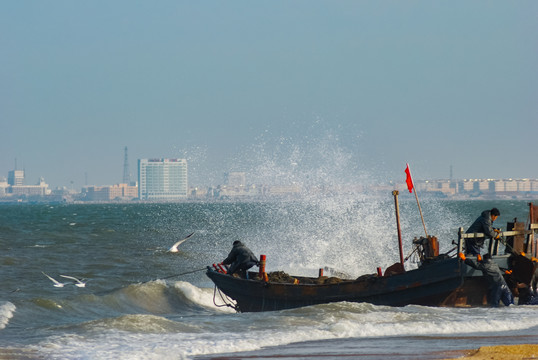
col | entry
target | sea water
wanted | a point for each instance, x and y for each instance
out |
(143, 302)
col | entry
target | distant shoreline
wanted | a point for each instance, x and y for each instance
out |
(222, 201)
(252, 199)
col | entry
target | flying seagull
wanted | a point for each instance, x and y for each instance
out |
(174, 247)
(77, 282)
(56, 283)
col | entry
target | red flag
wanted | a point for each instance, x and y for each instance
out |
(409, 180)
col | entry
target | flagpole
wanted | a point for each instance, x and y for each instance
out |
(418, 203)
(420, 210)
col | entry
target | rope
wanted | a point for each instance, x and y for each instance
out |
(227, 302)
(412, 252)
(185, 273)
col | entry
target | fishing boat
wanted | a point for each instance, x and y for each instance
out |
(439, 280)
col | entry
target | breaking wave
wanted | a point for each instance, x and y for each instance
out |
(185, 337)
(7, 310)
(155, 297)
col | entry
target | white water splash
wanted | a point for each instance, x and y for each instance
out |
(7, 310)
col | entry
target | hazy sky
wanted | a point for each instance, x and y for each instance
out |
(334, 88)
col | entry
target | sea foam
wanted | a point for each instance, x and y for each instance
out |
(202, 297)
(7, 310)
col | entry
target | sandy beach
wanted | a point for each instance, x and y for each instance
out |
(501, 352)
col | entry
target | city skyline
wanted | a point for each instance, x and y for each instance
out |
(288, 91)
(240, 178)
(166, 180)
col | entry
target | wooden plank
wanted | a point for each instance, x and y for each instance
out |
(505, 233)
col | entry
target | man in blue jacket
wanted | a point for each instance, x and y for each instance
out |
(484, 225)
(240, 259)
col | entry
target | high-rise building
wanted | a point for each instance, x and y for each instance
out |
(15, 177)
(162, 179)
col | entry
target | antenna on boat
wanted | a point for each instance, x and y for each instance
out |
(411, 187)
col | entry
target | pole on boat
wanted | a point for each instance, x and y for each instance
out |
(411, 187)
(531, 240)
(397, 208)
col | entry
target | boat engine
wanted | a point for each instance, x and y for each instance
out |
(427, 248)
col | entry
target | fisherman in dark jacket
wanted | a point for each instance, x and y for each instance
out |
(497, 288)
(240, 259)
(484, 225)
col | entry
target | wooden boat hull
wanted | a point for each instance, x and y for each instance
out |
(434, 284)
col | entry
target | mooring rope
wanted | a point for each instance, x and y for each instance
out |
(227, 301)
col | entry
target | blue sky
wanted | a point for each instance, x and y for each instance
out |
(338, 89)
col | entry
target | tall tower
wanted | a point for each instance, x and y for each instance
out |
(126, 175)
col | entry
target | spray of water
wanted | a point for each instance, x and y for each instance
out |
(331, 220)
(334, 218)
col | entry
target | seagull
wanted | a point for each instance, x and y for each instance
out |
(56, 283)
(174, 247)
(77, 282)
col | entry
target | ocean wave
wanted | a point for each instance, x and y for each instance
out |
(48, 304)
(362, 320)
(184, 337)
(200, 296)
(158, 298)
(7, 310)
(155, 297)
(140, 323)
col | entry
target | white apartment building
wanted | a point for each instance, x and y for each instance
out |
(162, 179)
